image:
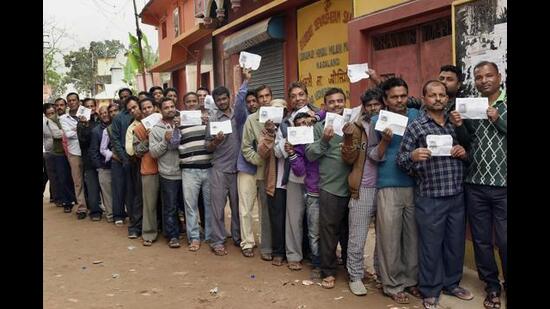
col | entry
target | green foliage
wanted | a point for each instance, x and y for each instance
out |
(83, 63)
(133, 61)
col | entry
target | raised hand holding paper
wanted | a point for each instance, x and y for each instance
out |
(274, 114)
(472, 108)
(223, 126)
(336, 121)
(249, 61)
(347, 114)
(357, 72)
(84, 111)
(439, 145)
(300, 135)
(151, 120)
(397, 123)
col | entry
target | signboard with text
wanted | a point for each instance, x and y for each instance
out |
(322, 47)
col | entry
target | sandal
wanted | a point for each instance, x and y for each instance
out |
(414, 291)
(277, 261)
(248, 252)
(460, 292)
(174, 243)
(195, 246)
(219, 250)
(400, 298)
(295, 266)
(328, 282)
(492, 300)
(430, 303)
(147, 243)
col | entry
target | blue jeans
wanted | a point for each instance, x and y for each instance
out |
(312, 213)
(441, 224)
(194, 181)
(64, 182)
(169, 190)
(91, 184)
(118, 188)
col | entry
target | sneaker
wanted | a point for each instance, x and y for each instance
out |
(81, 215)
(357, 288)
(133, 235)
(110, 220)
(119, 223)
(95, 218)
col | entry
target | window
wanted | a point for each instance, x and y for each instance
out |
(395, 39)
(176, 17)
(437, 29)
(163, 30)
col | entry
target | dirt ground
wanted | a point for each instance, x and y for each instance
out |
(94, 265)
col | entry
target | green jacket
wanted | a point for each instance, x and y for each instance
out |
(251, 135)
(333, 171)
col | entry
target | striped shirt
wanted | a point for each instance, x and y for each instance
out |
(192, 148)
(437, 176)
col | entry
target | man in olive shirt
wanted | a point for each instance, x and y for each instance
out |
(334, 190)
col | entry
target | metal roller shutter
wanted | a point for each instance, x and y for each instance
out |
(271, 71)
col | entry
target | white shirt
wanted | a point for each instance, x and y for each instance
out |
(68, 124)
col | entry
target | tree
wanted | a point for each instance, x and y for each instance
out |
(83, 63)
(53, 35)
(133, 61)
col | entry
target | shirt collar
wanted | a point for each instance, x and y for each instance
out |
(219, 114)
(501, 97)
(425, 118)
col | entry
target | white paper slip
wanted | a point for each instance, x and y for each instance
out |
(190, 118)
(347, 114)
(472, 108)
(217, 126)
(397, 123)
(357, 72)
(249, 61)
(336, 121)
(84, 111)
(209, 103)
(300, 135)
(355, 112)
(274, 114)
(151, 120)
(304, 109)
(439, 145)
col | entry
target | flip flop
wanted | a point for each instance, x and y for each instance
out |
(328, 282)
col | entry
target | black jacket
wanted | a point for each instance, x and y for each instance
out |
(84, 134)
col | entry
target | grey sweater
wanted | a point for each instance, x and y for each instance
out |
(166, 154)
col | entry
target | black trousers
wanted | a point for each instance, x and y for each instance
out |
(441, 226)
(333, 227)
(135, 198)
(487, 208)
(277, 214)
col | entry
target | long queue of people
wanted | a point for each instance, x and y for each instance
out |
(176, 179)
